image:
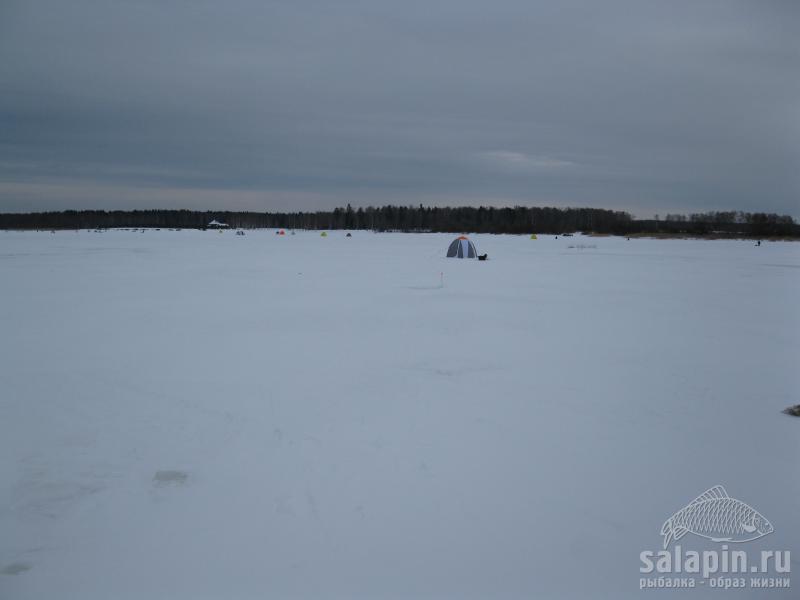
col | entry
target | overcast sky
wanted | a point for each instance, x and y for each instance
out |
(651, 107)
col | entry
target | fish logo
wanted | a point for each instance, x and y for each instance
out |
(716, 516)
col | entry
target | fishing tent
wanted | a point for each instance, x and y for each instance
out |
(462, 247)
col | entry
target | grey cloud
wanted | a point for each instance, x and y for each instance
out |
(649, 107)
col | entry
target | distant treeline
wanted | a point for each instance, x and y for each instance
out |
(408, 218)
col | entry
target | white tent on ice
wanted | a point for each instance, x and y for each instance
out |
(462, 247)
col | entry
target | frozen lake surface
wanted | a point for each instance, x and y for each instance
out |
(189, 414)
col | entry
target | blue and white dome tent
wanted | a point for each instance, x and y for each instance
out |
(462, 247)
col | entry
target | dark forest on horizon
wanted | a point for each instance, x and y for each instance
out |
(517, 220)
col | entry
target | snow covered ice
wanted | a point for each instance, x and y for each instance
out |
(189, 414)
